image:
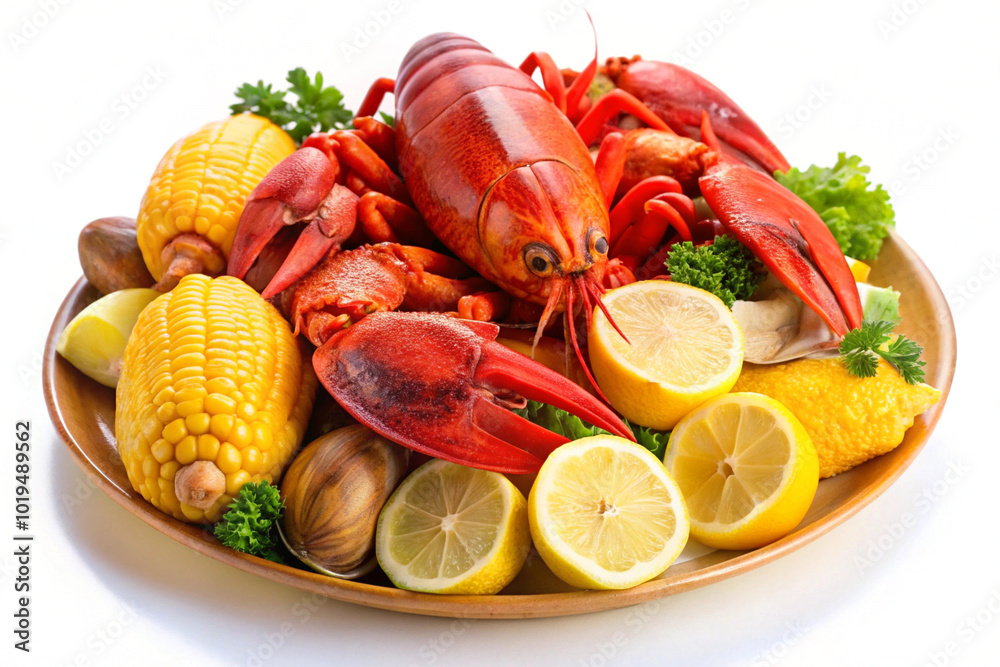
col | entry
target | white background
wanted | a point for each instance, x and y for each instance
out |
(884, 90)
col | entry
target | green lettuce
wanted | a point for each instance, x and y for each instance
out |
(858, 216)
(574, 428)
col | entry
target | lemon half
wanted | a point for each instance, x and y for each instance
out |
(684, 347)
(453, 529)
(605, 514)
(747, 468)
(94, 341)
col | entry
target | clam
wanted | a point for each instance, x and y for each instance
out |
(777, 327)
(110, 255)
(334, 491)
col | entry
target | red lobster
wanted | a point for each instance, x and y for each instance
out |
(493, 169)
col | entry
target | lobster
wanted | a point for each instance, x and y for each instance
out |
(486, 164)
(781, 230)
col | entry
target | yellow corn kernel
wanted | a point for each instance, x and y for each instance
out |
(198, 424)
(235, 481)
(208, 447)
(175, 409)
(169, 469)
(162, 451)
(203, 181)
(228, 459)
(187, 450)
(175, 431)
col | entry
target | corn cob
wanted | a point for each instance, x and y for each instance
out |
(188, 216)
(214, 392)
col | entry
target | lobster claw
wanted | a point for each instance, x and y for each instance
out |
(678, 96)
(784, 233)
(300, 188)
(439, 385)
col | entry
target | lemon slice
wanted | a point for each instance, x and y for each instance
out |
(94, 341)
(686, 347)
(453, 529)
(859, 269)
(605, 514)
(747, 468)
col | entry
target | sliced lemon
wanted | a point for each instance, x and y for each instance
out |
(859, 269)
(94, 341)
(747, 468)
(605, 514)
(684, 347)
(453, 529)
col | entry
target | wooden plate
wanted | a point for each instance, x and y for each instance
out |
(83, 412)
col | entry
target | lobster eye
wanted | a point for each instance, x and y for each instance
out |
(539, 259)
(598, 243)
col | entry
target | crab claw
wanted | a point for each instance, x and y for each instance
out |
(300, 188)
(443, 386)
(678, 96)
(784, 233)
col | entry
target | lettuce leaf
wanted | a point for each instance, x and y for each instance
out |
(574, 428)
(858, 216)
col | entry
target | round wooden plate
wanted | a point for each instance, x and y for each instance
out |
(83, 412)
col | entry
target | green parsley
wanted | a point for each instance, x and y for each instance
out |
(250, 524)
(862, 347)
(858, 216)
(725, 268)
(316, 108)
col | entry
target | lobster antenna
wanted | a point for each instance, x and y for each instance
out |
(582, 82)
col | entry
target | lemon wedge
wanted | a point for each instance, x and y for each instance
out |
(453, 529)
(859, 269)
(850, 419)
(94, 341)
(605, 514)
(684, 347)
(747, 468)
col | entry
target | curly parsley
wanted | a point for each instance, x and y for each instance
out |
(250, 524)
(725, 268)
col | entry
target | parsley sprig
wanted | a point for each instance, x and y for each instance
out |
(862, 347)
(316, 108)
(250, 524)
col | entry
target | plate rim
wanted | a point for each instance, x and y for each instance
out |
(515, 606)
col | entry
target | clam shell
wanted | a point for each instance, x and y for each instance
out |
(334, 491)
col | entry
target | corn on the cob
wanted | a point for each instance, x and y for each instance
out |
(214, 393)
(189, 213)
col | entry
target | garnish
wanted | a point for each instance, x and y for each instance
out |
(859, 217)
(862, 347)
(316, 108)
(574, 428)
(250, 524)
(725, 268)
